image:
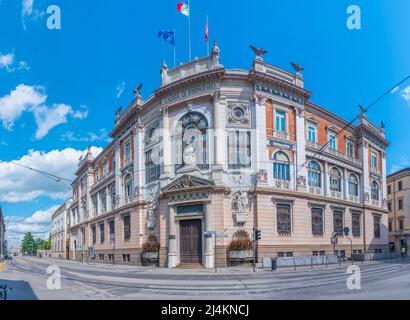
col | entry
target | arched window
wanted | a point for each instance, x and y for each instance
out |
(335, 180)
(281, 166)
(314, 174)
(375, 191)
(128, 186)
(192, 141)
(353, 185)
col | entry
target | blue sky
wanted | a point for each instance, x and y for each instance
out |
(74, 79)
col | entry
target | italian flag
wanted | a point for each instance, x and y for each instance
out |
(183, 8)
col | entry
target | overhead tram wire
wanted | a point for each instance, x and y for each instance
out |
(357, 117)
(48, 175)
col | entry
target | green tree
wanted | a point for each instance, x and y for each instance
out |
(29, 245)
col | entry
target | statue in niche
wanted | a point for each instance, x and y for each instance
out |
(152, 214)
(190, 155)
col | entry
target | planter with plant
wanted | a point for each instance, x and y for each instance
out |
(150, 251)
(240, 247)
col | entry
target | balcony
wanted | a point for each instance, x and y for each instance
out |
(316, 147)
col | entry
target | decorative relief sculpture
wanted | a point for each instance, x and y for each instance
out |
(262, 176)
(238, 113)
(301, 180)
(152, 214)
(240, 206)
(189, 155)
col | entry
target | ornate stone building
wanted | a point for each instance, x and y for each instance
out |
(398, 203)
(59, 231)
(216, 149)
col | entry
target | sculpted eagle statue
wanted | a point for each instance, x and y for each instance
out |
(258, 52)
(297, 67)
(137, 91)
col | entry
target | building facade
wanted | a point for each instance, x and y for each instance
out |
(214, 149)
(59, 231)
(2, 235)
(398, 202)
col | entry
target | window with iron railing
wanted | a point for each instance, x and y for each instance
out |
(317, 221)
(284, 224)
(376, 221)
(356, 225)
(127, 228)
(338, 222)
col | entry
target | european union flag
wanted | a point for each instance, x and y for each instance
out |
(168, 36)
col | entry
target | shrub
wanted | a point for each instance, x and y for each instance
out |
(241, 241)
(150, 246)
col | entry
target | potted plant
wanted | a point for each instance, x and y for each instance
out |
(240, 247)
(150, 251)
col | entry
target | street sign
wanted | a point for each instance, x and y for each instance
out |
(346, 231)
(217, 235)
(92, 252)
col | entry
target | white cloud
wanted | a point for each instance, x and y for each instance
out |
(39, 224)
(403, 163)
(406, 94)
(29, 13)
(18, 184)
(48, 118)
(101, 136)
(6, 61)
(120, 89)
(32, 99)
(395, 89)
(19, 100)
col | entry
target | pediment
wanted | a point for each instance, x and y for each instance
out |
(311, 118)
(187, 182)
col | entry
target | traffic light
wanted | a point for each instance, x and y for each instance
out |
(257, 235)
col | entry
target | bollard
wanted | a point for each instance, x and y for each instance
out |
(294, 263)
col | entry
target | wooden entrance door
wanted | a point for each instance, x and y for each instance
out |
(191, 241)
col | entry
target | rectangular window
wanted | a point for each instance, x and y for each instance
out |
(332, 141)
(101, 256)
(111, 257)
(350, 150)
(401, 206)
(97, 175)
(390, 226)
(127, 152)
(281, 254)
(127, 228)
(315, 253)
(376, 221)
(105, 168)
(400, 185)
(94, 234)
(374, 160)
(283, 219)
(401, 224)
(153, 171)
(317, 221)
(389, 189)
(322, 253)
(239, 149)
(389, 206)
(338, 221)
(112, 230)
(280, 121)
(126, 258)
(95, 205)
(312, 133)
(102, 233)
(356, 225)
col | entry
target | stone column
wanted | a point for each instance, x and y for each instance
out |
(345, 184)
(364, 157)
(300, 148)
(326, 188)
(139, 159)
(260, 155)
(220, 132)
(118, 184)
(384, 182)
(209, 240)
(172, 239)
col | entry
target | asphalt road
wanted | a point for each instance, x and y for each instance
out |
(30, 281)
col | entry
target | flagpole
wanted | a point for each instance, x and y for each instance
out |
(207, 41)
(189, 29)
(175, 36)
